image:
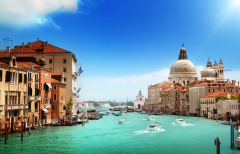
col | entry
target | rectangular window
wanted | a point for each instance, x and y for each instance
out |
(64, 69)
(7, 77)
(29, 75)
(54, 87)
(65, 79)
(20, 77)
(0, 75)
(54, 97)
(36, 76)
(50, 61)
(25, 78)
(64, 61)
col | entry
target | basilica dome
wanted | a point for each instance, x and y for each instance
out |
(183, 66)
(182, 71)
(208, 72)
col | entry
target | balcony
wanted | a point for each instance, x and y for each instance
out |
(25, 106)
(30, 98)
(47, 106)
(15, 107)
(36, 80)
(36, 110)
(46, 95)
(74, 75)
(61, 101)
(30, 80)
(61, 111)
(1, 107)
(38, 98)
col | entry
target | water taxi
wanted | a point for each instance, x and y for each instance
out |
(154, 127)
(225, 122)
(179, 121)
(121, 121)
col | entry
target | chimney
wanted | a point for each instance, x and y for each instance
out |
(8, 50)
(46, 43)
(238, 83)
(29, 44)
(22, 44)
(233, 82)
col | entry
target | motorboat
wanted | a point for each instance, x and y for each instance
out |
(121, 121)
(149, 118)
(142, 112)
(225, 122)
(102, 113)
(179, 121)
(117, 114)
(154, 127)
(238, 138)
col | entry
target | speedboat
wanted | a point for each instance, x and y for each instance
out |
(154, 127)
(238, 138)
(149, 118)
(143, 112)
(225, 122)
(179, 121)
(121, 121)
(117, 114)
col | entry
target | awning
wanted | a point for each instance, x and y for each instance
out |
(45, 110)
(48, 85)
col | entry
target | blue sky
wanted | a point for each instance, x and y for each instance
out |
(126, 45)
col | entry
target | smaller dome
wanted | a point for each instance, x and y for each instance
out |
(182, 49)
(208, 72)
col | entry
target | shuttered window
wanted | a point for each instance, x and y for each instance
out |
(7, 79)
(20, 77)
(25, 78)
(0, 75)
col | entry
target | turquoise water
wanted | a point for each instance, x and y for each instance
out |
(107, 136)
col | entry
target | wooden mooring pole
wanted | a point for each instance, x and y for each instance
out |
(22, 131)
(5, 132)
(232, 135)
(29, 126)
(217, 143)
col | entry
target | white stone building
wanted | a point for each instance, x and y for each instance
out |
(139, 103)
(195, 93)
(215, 72)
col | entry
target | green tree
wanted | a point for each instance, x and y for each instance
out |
(70, 103)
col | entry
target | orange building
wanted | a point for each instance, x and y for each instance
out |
(58, 95)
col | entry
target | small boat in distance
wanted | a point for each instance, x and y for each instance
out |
(142, 112)
(179, 121)
(225, 122)
(154, 127)
(121, 121)
(149, 117)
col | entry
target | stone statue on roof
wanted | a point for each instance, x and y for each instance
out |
(228, 96)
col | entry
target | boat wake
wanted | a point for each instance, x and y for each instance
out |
(150, 119)
(146, 131)
(186, 124)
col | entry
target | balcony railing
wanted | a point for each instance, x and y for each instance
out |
(29, 79)
(61, 101)
(38, 98)
(25, 106)
(46, 94)
(47, 106)
(30, 98)
(14, 106)
(61, 111)
(36, 80)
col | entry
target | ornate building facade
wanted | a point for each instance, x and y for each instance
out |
(215, 72)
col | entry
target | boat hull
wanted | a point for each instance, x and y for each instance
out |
(225, 122)
(121, 122)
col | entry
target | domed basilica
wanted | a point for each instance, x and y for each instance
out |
(182, 71)
(215, 72)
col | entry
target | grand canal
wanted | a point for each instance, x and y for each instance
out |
(107, 136)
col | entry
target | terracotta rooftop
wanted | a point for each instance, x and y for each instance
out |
(3, 63)
(54, 80)
(216, 94)
(56, 73)
(25, 65)
(167, 89)
(24, 56)
(38, 47)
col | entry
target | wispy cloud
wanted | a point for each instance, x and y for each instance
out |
(17, 14)
(119, 88)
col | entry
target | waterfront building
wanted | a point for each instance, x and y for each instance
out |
(215, 72)
(42, 85)
(228, 105)
(195, 93)
(58, 95)
(182, 71)
(13, 89)
(139, 102)
(154, 96)
(56, 59)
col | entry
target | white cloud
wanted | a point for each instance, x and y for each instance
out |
(119, 88)
(16, 13)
